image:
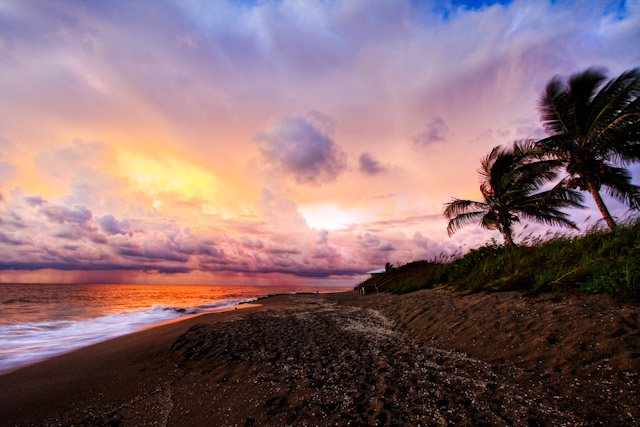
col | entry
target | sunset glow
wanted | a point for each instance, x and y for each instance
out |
(199, 141)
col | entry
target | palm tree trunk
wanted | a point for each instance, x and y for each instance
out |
(603, 208)
(506, 231)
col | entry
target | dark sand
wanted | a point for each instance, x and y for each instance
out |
(428, 358)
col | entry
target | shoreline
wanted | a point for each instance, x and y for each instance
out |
(44, 351)
(242, 305)
(348, 359)
(62, 381)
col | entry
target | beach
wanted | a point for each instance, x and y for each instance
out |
(432, 357)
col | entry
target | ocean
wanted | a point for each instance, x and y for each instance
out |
(38, 321)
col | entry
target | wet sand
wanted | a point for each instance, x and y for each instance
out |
(427, 358)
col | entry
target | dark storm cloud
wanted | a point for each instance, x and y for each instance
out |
(296, 270)
(111, 226)
(72, 265)
(159, 251)
(303, 149)
(210, 250)
(153, 251)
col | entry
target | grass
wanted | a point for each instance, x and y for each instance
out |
(599, 262)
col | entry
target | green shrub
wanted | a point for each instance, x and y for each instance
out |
(599, 262)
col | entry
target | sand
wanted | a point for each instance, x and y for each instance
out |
(432, 357)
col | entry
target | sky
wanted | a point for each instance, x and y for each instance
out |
(268, 141)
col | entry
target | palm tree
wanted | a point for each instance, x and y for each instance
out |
(595, 132)
(510, 180)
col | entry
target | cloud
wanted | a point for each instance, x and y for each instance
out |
(207, 248)
(435, 131)
(251, 244)
(387, 247)
(161, 245)
(370, 166)
(494, 136)
(379, 70)
(405, 222)
(369, 240)
(36, 200)
(62, 162)
(8, 171)
(9, 239)
(280, 212)
(431, 247)
(10, 219)
(60, 214)
(302, 148)
(323, 237)
(110, 225)
(164, 251)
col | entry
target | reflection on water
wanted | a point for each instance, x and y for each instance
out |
(40, 321)
(21, 303)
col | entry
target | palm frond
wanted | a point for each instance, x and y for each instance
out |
(530, 150)
(486, 164)
(463, 219)
(550, 146)
(511, 179)
(582, 88)
(545, 207)
(551, 218)
(615, 97)
(627, 153)
(552, 106)
(535, 174)
(617, 182)
(503, 171)
(458, 207)
(591, 121)
(561, 194)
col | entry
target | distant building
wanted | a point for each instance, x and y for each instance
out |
(378, 271)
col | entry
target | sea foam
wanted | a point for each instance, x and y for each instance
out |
(25, 343)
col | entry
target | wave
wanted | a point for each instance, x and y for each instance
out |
(25, 343)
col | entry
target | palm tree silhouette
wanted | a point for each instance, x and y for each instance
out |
(595, 132)
(510, 180)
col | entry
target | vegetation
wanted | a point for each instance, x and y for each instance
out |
(598, 262)
(595, 127)
(510, 184)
